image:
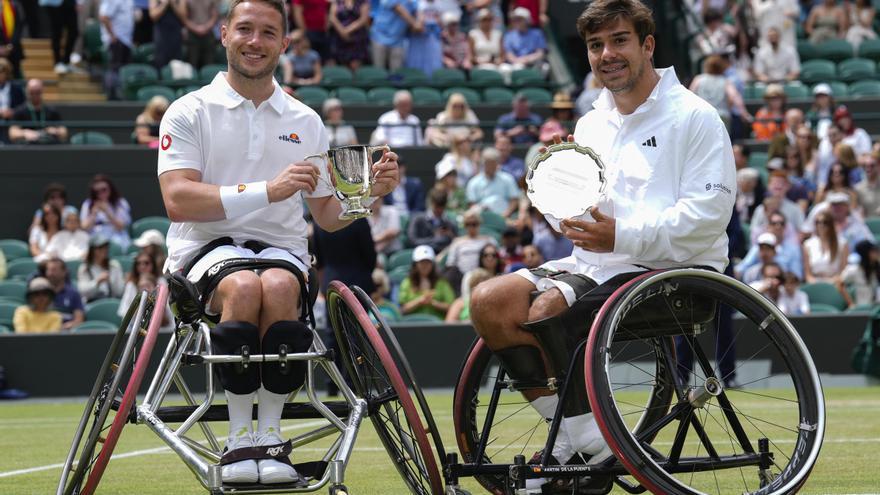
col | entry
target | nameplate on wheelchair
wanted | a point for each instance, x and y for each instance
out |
(566, 180)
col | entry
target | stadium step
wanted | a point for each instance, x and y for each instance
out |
(73, 86)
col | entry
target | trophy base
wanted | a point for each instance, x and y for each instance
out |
(355, 214)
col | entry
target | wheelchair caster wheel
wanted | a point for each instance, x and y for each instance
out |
(338, 490)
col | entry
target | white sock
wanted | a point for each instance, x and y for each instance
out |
(240, 413)
(546, 407)
(269, 407)
(584, 434)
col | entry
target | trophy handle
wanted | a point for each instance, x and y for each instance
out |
(327, 176)
(373, 149)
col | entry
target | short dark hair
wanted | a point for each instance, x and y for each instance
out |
(275, 4)
(54, 187)
(601, 13)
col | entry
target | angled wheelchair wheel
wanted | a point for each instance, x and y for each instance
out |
(115, 389)
(377, 379)
(406, 372)
(759, 436)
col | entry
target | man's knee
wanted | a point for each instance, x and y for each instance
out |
(240, 288)
(504, 296)
(547, 304)
(279, 283)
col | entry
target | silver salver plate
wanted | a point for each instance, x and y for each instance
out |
(566, 180)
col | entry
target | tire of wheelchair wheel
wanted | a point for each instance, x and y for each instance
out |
(652, 464)
(99, 402)
(425, 477)
(140, 367)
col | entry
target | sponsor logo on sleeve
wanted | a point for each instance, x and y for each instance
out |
(717, 187)
(165, 143)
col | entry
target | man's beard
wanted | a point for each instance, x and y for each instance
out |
(629, 84)
(235, 66)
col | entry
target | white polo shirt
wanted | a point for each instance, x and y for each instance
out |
(219, 133)
(671, 179)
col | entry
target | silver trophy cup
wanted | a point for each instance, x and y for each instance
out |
(351, 177)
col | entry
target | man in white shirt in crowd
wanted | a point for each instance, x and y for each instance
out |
(776, 62)
(668, 205)
(233, 174)
(399, 127)
(492, 188)
(868, 190)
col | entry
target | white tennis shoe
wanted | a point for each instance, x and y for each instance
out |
(272, 471)
(242, 471)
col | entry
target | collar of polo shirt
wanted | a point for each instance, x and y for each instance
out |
(668, 79)
(230, 98)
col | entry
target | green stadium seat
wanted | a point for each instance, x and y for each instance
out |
(537, 96)
(207, 73)
(855, 69)
(498, 96)
(870, 49)
(486, 78)
(426, 96)
(93, 47)
(861, 308)
(492, 221)
(145, 53)
(126, 261)
(104, 310)
(758, 160)
(407, 76)
(865, 89)
(527, 77)
(134, 76)
(839, 88)
(73, 268)
(350, 95)
(806, 50)
(336, 76)
(754, 92)
(7, 311)
(824, 293)
(13, 289)
(421, 318)
(21, 268)
(312, 95)
(819, 308)
(401, 258)
(445, 77)
(5, 329)
(383, 95)
(471, 95)
(91, 137)
(142, 225)
(14, 249)
(797, 90)
(145, 93)
(187, 89)
(818, 70)
(96, 326)
(369, 75)
(873, 224)
(835, 50)
(398, 274)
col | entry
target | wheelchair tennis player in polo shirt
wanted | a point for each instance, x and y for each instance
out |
(233, 176)
(669, 195)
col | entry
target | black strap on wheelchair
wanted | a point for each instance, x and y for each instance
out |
(280, 452)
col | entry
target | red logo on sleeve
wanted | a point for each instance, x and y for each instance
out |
(166, 142)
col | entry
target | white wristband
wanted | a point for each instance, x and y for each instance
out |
(242, 199)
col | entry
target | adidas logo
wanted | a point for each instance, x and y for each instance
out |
(651, 142)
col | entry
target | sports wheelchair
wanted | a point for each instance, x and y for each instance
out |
(376, 388)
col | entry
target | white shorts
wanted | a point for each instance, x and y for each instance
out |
(227, 252)
(571, 264)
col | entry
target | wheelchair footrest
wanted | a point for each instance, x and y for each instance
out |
(219, 412)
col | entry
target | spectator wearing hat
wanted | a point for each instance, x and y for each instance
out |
(715, 88)
(99, 276)
(776, 62)
(67, 300)
(385, 228)
(786, 245)
(456, 47)
(521, 125)
(825, 252)
(769, 119)
(457, 119)
(868, 190)
(349, 39)
(847, 223)
(433, 227)
(524, 45)
(71, 243)
(425, 291)
(391, 21)
(560, 120)
(537, 9)
(821, 112)
(338, 132)
(447, 181)
(399, 127)
(106, 212)
(766, 245)
(493, 189)
(510, 163)
(486, 44)
(36, 316)
(152, 243)
(853, 135)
